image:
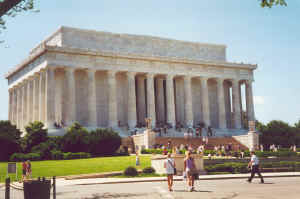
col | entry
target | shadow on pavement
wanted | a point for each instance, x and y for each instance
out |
(193, 191)
(116, 195)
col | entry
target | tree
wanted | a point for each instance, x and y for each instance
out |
(35, 134)
(76, 139)
(10, 8)
(279, 133)
(271, 3)
(9, 140)
(104, 142)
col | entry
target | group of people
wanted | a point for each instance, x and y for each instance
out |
(26, 170)
(189, 170)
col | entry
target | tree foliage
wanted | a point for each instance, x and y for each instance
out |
(9, 140)
(279, 133)
(271, 3)
(35, 134)
(104, 142)
(76, 139)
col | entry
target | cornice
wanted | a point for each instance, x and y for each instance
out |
(76, 51)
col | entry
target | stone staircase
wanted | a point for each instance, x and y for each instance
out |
(195, 142)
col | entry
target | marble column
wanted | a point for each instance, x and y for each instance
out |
(205, 101)
(188, 104)
(151, 99)
(236, 104)
(35, 100)
(92, 99)
(19, 106)
(50, 98)
(42, 96)
(24, 104)
(112, 99)
(71, 105)
(132, 115)
(170, 100)
(10, 93)
(249, 101)
(221, 104)
(29, 100)
(14, 106)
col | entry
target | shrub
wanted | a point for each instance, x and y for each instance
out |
(76, 139)
(36, 134)
(80, 155)
(148, 170)
(104, 142)
(19, 157)
(57, 155)
(9, 140)
(130, 171)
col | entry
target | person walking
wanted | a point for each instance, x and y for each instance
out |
(28, 169)
(189, 168)
(254, 165)
(24, 170)
(170, 166)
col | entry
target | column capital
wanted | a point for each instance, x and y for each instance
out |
(249, 81)
(69, 69)
(187, 77)
(203, 78)
(170, 76)
(149, 75)
(131, 74)
(111, 73)
(220, 80)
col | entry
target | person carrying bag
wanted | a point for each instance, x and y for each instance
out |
(169, 165)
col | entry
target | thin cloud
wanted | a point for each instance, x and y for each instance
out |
(259, 100)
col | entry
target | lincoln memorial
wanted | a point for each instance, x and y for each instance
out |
(103, 79)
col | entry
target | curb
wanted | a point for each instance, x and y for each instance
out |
(179, 179)
(18, 187)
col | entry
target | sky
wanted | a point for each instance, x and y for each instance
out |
(267, 37)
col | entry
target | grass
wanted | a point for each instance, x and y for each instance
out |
(49, 168)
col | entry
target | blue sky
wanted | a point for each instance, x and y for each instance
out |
(267, 37)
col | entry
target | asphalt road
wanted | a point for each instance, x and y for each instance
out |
(274, 188)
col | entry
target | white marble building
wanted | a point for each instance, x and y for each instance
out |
(103, 79)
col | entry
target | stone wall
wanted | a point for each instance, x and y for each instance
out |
(157, 162)
(138, 44)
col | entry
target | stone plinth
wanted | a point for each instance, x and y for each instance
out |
(157, 162)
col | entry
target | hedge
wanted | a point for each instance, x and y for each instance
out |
(19, 157)
(55, 155)
(233, 167)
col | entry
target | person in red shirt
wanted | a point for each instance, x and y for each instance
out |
(24, 170)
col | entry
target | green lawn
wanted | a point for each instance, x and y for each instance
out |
(81, 166)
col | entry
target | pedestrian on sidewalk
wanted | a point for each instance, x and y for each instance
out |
(28, 169)
(137, 159)
(254, 165)
(24, 170)
(189, 168)
(170, 166)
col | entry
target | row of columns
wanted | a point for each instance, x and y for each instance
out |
(35, 99)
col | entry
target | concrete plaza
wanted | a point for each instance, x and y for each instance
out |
(274, 188)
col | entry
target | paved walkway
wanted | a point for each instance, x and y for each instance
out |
(92, 181)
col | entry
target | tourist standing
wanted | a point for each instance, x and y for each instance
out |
(189, 168)
(254, 165)
(170, 166)
(24, 171)
(137, 159)
(28, 169)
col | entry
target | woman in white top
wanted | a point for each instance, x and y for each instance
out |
(169, 165)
